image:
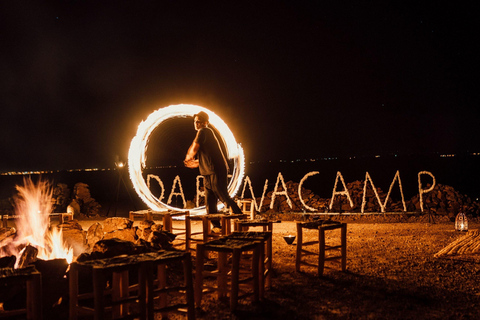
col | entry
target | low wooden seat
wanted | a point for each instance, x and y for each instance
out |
(227, 274)
(127, 298)
(7, 217)
(159, 288)
(244, 225)
(247, 206)
(321, 226)
(62, 217)
(266, 255)
(32, 279)
(120, 292)
(207, 234)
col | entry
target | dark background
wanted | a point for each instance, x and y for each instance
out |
(292, 79)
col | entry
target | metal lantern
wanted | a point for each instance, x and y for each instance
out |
(461, 222)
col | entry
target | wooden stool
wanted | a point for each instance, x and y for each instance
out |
(158, 288)
(206, 233)
(5, 219)
(227, 275)
(62, 217)
(266, 254)
(120, 290)
(33, 281)
(244, 225)
(145, 214)
(322, 226)
(227, 220)
(247, 206)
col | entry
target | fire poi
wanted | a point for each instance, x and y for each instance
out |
(138, 148)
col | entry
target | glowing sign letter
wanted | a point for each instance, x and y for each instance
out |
(421, 191)
(284, 192)
(300, 188)
(344, 192)
(257, 206)
(368, 178)
(172, 193)
(397, 177)
(160, 183)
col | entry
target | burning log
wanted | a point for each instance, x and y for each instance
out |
(28, 257)
(6, 236)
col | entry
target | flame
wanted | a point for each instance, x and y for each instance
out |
(33, 206)
(139, 144)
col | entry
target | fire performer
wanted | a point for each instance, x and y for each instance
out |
(206, 154)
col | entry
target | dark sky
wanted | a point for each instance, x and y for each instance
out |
(292, 79)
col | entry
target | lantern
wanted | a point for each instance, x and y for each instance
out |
(461, 222)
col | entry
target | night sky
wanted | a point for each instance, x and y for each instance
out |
(292, 79)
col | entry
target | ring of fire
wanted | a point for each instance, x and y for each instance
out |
(139, 144)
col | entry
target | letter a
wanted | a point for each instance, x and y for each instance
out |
(344, 192)
(284, 192)
(172, 193)
(247, 180)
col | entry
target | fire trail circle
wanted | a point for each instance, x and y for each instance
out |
(138, 148)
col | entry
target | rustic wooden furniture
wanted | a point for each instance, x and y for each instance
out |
(207, 234)
(123, 299)
(227, 274)
(244, 225)
(62, 217)
(339, 250)
(266, 255)
(129, 298)
(32, 279)
(247, 206)
(159, 287)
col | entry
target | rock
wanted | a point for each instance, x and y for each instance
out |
(112, 247)
(116, 223)
(162, 239)
(122, 234)
(94, 233)
(76, 239)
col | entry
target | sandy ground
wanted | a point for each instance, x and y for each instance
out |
(391, 274)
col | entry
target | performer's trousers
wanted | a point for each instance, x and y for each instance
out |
(216, 189)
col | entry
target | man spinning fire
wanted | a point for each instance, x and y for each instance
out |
(206, 154)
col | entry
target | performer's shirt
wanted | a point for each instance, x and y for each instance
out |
(210, 156)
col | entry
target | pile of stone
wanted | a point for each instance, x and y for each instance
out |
(442, 200)
(117, 236)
